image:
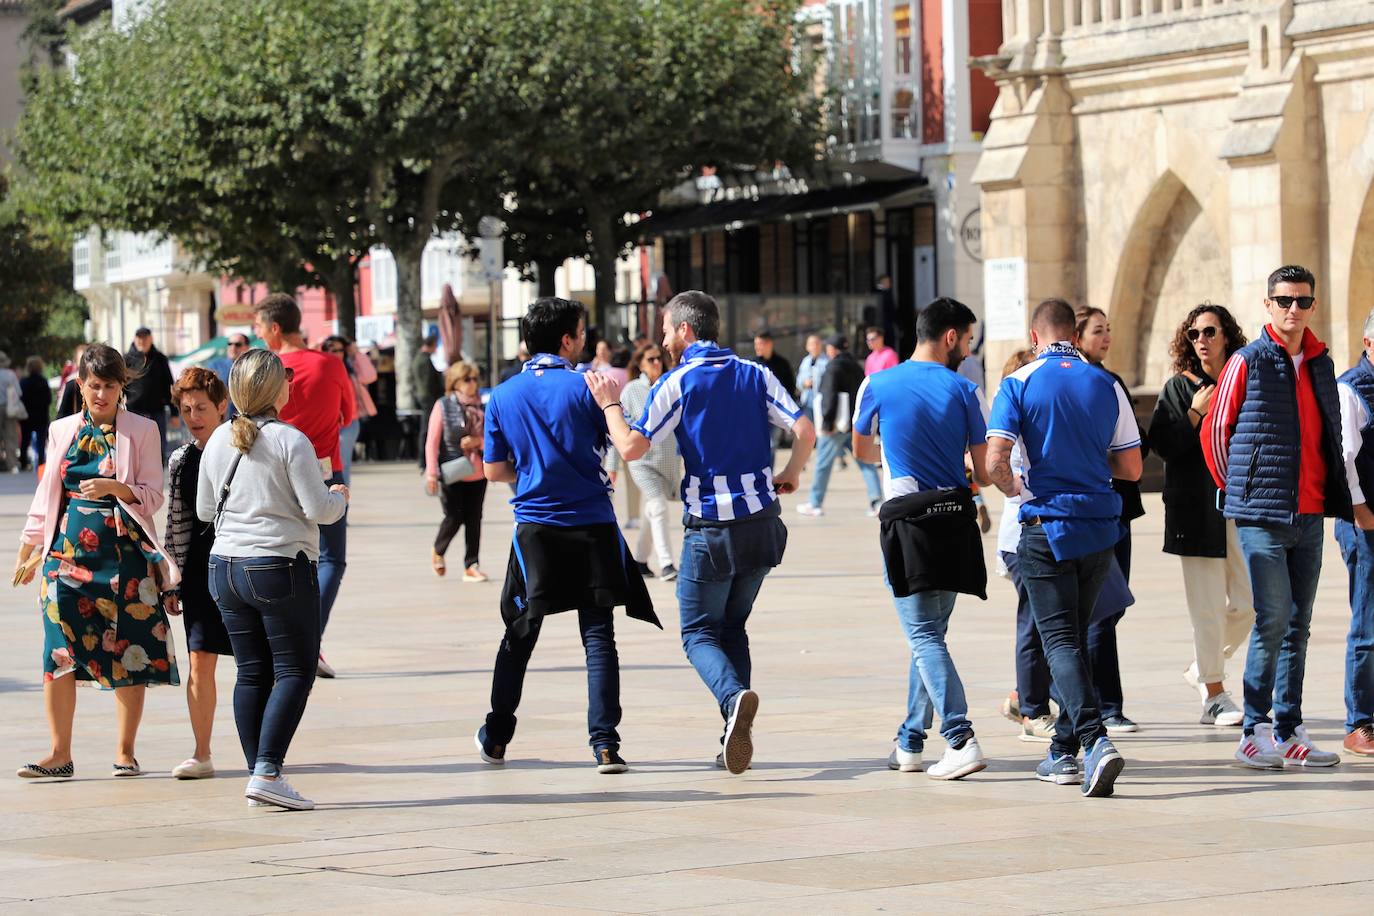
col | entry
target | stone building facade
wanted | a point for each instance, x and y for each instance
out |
(1147, 155)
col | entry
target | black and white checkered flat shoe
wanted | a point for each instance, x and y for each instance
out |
(34, 771)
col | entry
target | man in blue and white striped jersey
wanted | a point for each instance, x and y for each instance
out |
(721, 409)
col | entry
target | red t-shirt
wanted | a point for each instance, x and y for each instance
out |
(321, 402)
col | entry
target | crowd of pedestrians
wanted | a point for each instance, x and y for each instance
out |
(1260, 439)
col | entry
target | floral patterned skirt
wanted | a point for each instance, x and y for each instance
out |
(102, 620)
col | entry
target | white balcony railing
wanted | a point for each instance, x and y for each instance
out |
(131, 256)
(81, 263)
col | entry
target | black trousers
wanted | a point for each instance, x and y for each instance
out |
(462, 504)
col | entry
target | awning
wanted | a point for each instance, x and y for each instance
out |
(751, 211)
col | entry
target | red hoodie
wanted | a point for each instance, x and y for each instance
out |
(1220, 423)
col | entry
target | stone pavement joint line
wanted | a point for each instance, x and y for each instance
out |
(409, 820)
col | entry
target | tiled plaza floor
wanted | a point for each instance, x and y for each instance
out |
(409, 820)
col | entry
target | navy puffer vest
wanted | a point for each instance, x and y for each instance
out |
(1262, 464)
(455, 428)
(1360, 379)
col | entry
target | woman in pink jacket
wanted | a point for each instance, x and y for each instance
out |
(104, 573)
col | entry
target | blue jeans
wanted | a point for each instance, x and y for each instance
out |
(1284, 563)
(1033, 684)
(828, 451)
(713, 613)
(271, 609)
(932, 680)
(1062, 594)
(333, 560)
(1357, 549)
(603, 679)
(348, 439)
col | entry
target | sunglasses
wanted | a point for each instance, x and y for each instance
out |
(653, 359)
(469, 378)
(233, 344)
(1287, 302)
(1209, 332)
(338, 351)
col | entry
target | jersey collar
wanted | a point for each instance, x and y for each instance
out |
(704, 348)
(1060, 349)
(546, 361)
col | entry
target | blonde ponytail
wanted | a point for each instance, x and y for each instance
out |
(254, 383)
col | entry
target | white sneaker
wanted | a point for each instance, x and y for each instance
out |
(958, 764)
(738, 745)
(277, 792)
(1221, 710)
(903, 760)
(808, 509)
(1300, 751)
(1038, 730)
(323, 668)
(191, 768)
(1258, 750)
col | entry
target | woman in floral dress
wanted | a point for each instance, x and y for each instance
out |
(104, 572)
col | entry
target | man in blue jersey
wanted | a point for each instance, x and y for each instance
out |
(721, 409)
(546, 435)
(1077, 432)
(930, 417)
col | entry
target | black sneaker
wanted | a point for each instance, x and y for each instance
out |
(644, 570)
(609, 761)
(739, 743)
(1119, 725)
(494, 754)
(668, 573)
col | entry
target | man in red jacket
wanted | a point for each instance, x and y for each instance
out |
(321, 404)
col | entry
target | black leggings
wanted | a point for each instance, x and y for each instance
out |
(462, 504)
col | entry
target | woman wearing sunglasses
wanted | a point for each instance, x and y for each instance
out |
(453, 467)
(1215, 580)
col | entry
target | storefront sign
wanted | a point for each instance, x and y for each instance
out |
(971, 234)
(234, 314)
(1004, 298)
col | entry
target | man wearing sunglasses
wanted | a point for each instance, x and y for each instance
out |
(1272, 440)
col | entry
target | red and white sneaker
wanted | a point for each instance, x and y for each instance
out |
(1258, 750)
(1299, 751)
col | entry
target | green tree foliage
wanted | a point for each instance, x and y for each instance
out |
(42, 314)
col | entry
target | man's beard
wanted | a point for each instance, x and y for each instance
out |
(953, 360)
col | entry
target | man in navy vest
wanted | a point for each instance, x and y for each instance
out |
(721, 409)
(1272, 441)
(1356, 392)
(1077, 432)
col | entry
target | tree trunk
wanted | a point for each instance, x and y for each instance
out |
(409, 319)
(603, 254)
(343, 278)
(546, 270)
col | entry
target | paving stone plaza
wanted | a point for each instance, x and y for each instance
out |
(411, 821)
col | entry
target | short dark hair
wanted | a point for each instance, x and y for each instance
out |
(940, 316)
(876, 330)
(281, 310)
(550, 318)
(698, 311)
(104, 362)
(1292, 273)
(1054, 315)
(765, 334)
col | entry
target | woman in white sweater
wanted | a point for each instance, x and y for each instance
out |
(262, 488)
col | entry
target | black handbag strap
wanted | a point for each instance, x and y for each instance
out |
(229, 478)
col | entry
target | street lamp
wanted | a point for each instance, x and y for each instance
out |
(492, 247)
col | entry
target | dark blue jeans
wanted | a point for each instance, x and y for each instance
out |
(714, 611)
(1284, 562)
(1102, 651)
(271, 608)
(1062, 594)
(1033, 684)
(1357, 549)
(333, 560)
(603, 679)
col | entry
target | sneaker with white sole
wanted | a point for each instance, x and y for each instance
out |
(904, 761)
(494, 754)
(191, 768)
(1258, 751)
(323, 668)
(1119, 725)
(1038, 730)
(958, 763)
(812, 511)
(1221, 710)
(277, 792)
(1300, 751)
(609, 761)
(739, 742)
(1102, 764)
(1062, 770)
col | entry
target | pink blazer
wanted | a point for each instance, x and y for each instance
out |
(138, 465)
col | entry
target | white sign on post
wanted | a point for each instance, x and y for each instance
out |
(493, 258)
(1004, 298)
